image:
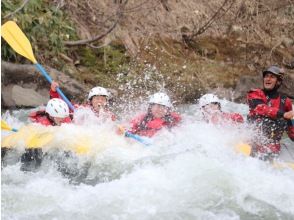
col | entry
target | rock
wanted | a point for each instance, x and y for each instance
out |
(235, 30)
(27, 97)
(289, 65)
(24, 86)
(252, 82)
(221, 92)
(245, 84)
(6, 97)
(287, 42)
(14, 95)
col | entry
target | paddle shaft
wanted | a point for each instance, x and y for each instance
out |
(48, 78)
(138, 138)
(10, 129)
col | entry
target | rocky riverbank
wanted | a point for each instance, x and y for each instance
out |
(185, 47)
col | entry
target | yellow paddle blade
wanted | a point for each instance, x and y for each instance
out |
(281, 165)
(243, 148)
(82, 149)
(82, 145)
(39, 140)
(14, 36)
(16, 139)
(11, 140)
(5, 126)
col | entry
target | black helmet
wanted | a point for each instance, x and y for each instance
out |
(279, 72)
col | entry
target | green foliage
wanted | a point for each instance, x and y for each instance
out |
(88, 57)
(45, 25)
(104, 63)
(109, 58)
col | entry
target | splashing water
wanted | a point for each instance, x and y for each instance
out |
(191, 172)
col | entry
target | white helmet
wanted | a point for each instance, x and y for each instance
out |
(161, 99)
(98, 91)
(207, 99)
(57, 108)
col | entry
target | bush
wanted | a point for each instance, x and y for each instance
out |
(45, 25)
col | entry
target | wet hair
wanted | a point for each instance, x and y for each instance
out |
(45, 114)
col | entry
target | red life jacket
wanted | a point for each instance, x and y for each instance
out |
(266, 110)
(146, 125)
(42, 118)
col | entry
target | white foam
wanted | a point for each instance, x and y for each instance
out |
(191, 172)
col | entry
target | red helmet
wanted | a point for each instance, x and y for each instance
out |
(279, 72)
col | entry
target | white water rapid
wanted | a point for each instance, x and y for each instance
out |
(192, 172)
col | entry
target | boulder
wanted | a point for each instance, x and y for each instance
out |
(248, 82)
(14, 95)
(24, 86)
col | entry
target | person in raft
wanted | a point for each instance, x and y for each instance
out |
(271, 112)
(159, 115)
(56, 113)
(98, 101)
(212, 112)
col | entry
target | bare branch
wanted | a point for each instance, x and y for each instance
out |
(87, 41)
(274, 47)
(98, 47)
(271, 10)
(18, 9)
(119, 15)
(213, 18)
(137, 6)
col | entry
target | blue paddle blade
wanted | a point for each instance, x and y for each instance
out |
(144, 140)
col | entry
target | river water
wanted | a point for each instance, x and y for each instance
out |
(192, 172)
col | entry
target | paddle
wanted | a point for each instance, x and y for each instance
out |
(32, 137)
(283, 165)
(39, 140)
(5, 126)
(143, 140)
(244, 149)
(14, 36)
